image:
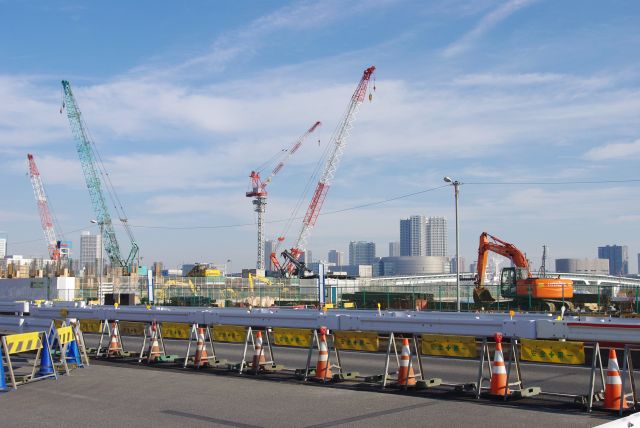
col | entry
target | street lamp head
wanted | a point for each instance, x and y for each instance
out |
(448, 180)
(94, 221)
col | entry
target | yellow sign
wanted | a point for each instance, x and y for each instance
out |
(551, 351)
(23, 342)
(65, 335)
(348, 305)
(300, 337)
(356, 340)
(229, 333)
(449, 346)
(57, 323)
(129, 328)
(91, 326)
(174, 330)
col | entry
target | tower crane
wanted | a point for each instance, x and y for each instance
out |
(92, 171)
(334, 155)
(259, 190)
(50, 233)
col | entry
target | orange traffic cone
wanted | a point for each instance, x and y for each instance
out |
(613, 388)
(115, 348)
(499, 371)
(154, 346)
(201, 359)
(406, 376)
(323, 367)
(258, 356)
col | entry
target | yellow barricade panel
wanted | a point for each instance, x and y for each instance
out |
(23, 342)
(131, 328)
(449, 346)
(551, 351)
(65, 335)
(356, 340)
(229, 333)
(292, 337)
(91, 326)
(174, 330)
(57, 323)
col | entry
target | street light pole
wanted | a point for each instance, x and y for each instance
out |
(456, 187)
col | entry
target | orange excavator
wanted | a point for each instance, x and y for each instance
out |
(517, 282)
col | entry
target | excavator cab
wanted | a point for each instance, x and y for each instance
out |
(509, 279)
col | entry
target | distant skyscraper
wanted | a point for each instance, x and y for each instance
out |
(452, 268)
(394, 249)
(362, 253)
(336, 257)
(638, 263)
(413, 236)
(3, 244)
(436, 236)
(269, 247)
(618, 256)
(89, 249)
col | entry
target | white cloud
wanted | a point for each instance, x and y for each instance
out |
(535, 79)
(614, 151)
(486, 24)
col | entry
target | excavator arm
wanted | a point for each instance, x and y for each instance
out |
(491, 243)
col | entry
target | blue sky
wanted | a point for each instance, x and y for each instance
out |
(183, 101)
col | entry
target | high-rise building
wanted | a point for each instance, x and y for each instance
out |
(3, 244)
(436, 234)
(89, 249)
(394, 249)
(269, 247)
(413, 236)
(638, 263)
(336, 257)
(618, 256)
(452, 263)
(362, 253)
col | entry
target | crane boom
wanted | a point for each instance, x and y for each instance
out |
(491, 243)
(94, 184)
(337, 144)
(46, 218)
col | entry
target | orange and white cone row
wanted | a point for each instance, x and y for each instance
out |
(201, 358)
(406, 376)
(323, 367)
(258, 356)
(613, 388)
(499, 371)
(114, 344)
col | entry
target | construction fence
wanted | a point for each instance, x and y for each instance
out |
(361, 293)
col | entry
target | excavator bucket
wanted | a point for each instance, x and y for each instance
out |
(482, 295)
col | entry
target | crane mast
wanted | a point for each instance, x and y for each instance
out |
(259, 192)
(337, 144)
(94, 184)
(46, 218)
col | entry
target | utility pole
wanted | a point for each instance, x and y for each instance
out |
(456, 185)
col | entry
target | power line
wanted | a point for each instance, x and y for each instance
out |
(548, 183)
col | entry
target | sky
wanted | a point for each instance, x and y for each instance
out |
(534, 105)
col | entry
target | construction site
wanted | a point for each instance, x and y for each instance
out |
(101, 335)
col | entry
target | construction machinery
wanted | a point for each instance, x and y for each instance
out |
(259, 188)
(517, 282)
(93, 169)
(333, 155)
(51, 236)
(252, 278)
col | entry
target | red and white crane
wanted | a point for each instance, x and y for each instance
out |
(336, 149)
(46, 218)
(259, 190)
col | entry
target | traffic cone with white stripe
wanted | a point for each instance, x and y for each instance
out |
(613, 388)
(115, 348)
(406, 376)
(258, 356)
(323, 367)
(499, 381)
(201, 359)
(154, 347)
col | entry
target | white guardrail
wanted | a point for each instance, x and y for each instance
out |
(521, 325)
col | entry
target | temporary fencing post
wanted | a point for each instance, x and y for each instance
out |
(258, 344)
(392, 342)
(201, 334)
(3, 381)
(514, 359)
(596, 362)
(484, 358)
(627, 372)
(249, 336)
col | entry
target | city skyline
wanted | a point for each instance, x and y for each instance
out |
(470, 90)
